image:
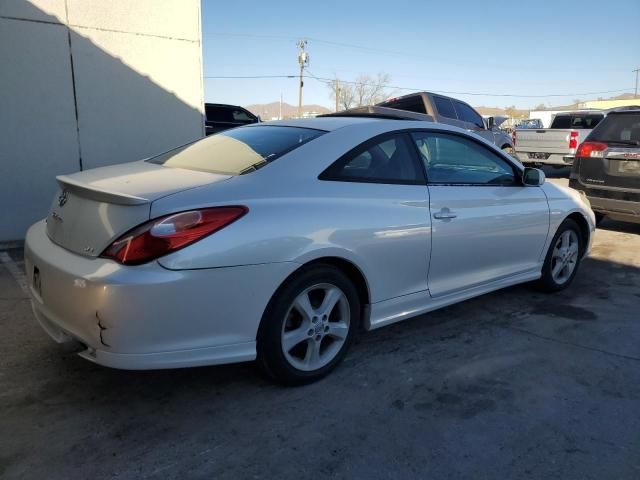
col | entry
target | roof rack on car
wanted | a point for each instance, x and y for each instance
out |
(381, 112)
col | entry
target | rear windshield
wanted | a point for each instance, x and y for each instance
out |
(410, 104)
(618, 127)
(577, 121)
(237, 151)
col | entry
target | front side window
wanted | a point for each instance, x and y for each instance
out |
(237, 151)
(453, 159)
(242, 116)
(468, 114)
(445, 107)
(389, 159)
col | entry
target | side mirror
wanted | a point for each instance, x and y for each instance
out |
(533, 177)
(490, 123)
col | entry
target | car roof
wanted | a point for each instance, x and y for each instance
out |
(625, 109)
(224, 105)
(329, 124)
(322, 123)
(583, 111)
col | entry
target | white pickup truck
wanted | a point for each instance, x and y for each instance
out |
(556, 145)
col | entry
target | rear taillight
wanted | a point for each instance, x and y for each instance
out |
(591, 150)
(170, 233)
(573, 139)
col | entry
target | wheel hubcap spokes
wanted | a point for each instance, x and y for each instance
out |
(316, 327)
(565, 256)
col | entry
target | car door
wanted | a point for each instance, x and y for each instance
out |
(379, 193)
(486, 225)
(473, 121)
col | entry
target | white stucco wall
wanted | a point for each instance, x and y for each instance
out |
(87, 83)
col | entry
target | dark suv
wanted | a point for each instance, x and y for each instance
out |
(221, 117)
(607, 166)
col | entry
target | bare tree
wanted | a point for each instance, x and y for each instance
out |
(365, 90)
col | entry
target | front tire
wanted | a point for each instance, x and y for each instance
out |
(308, 326)
(563, 258)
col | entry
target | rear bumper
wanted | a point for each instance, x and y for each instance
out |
(147, 317)
(614, 208)
(554, 159)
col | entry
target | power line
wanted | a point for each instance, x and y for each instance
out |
(248, 76)
(419, 89)
(332, 80)
(313, 39)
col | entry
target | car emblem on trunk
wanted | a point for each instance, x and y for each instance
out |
(63, 197)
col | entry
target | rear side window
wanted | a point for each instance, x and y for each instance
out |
(618, 127)
(237, 151)
(218, 114)
(444, 107)
(468, 114)
(386, 159)
(577, 122)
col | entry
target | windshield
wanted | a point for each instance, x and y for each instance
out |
(237, 151)
(618, 127)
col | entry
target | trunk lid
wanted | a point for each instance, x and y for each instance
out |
(94, 207)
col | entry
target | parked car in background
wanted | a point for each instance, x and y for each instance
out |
(530, 123)
(220, 117)
(556, 145)
(280, 240)
(452, 111)
(607, 166)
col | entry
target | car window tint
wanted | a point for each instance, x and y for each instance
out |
(237, 151)
(411, 104)
(390, 160)
(241, 116)
(218, 114)
(577, 121)
(624, 127)
(444, 107)
(468, 114)
(452, 159)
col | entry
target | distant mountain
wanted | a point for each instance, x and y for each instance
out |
(268, 111)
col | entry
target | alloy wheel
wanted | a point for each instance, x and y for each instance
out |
(564, 257)
(316, 327)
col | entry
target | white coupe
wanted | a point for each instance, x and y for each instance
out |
(279, 241)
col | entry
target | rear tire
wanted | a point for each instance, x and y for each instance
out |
(563, 258)
(308, 325)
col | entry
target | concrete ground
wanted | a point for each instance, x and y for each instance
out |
(514, 384)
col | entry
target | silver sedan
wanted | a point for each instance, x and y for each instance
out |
(280, 241)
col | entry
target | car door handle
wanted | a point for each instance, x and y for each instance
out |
(444, 214)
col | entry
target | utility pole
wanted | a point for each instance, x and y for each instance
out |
(636, 71)
(303, 60)
(337, 94)
(280, 113)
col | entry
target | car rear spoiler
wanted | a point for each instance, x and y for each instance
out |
(99, 194)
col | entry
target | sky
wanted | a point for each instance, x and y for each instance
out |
(481, 50)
